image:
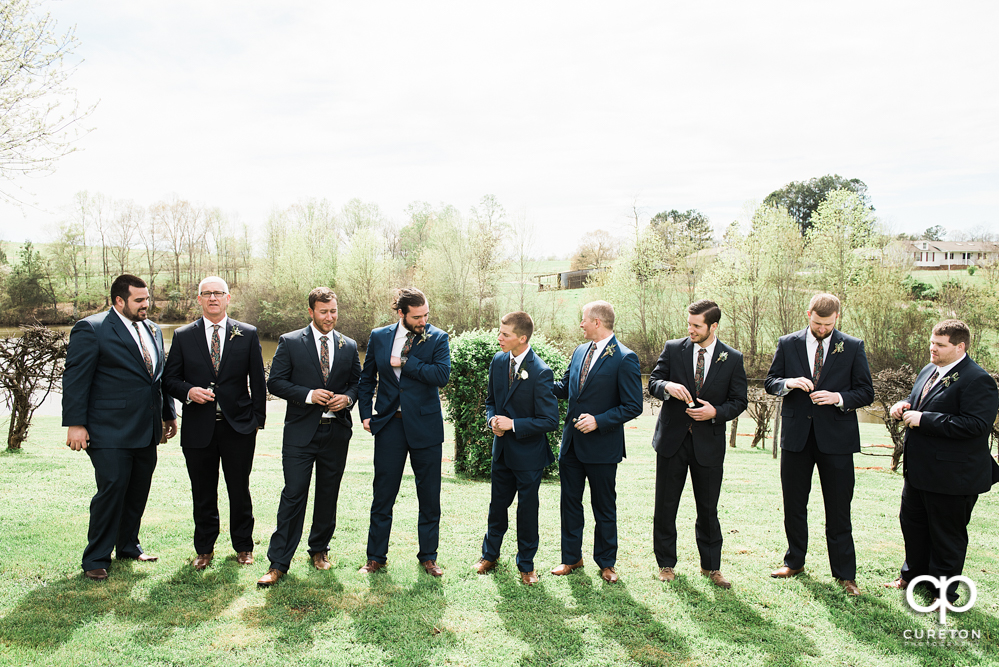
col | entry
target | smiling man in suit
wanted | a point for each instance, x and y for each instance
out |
(212, 362)
(691, 435)
(823, 376)
(116, 411)
(521, 410)
(406, 362)
(604, 386)
(315, 370)
(946, 457)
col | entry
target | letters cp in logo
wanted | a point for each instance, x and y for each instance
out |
(942, 603)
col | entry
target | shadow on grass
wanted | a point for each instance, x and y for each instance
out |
(296, 605)
(726, 617)
(630, 624)
(534, 617)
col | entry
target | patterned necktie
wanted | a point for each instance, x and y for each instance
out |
(216, 347)
(408, 346)
(929, 385)
(585, 370)
(819, 351)
(145, 350)
(324, 357)
(513, 368)
(699, 371)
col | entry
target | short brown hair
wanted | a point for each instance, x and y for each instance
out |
(600, 310)
(824, 305)
(321, 294)
(957, 332)
(708, 308)
(521, 322)
(408, 297)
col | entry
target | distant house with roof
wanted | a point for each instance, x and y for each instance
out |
(950, 254)
(566, 279)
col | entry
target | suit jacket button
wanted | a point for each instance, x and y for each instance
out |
(809, 416)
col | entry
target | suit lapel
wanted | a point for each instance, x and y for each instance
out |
(939, 386)
(338, 359)
(126, 337)
(202, 342)
(309, 341)
(597, 363)
(386, 354)
(803, 352)
(227, 344)
(526, 365)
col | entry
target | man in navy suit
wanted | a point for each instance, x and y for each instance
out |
(315, 370)
(604, 386)
(691, 435)
(407, 362)
(824, 377)
(946, 457)
(521, 410)
(211, 363)
(116, 411)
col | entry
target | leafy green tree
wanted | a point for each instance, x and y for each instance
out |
(801, 199)
(839, 240)
(935, 233)
(29, 285)
(689, 230)
(596, 248)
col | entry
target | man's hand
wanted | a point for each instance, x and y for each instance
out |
(202, 396)
(395, 362)
(338, 402)
(367, 425)
(826, 397)
(703, 413)
(911, 418)
(502, 423)
(898, 409)
(77, 438)
(678, 391)
(495, 429)
(169, 430)
(586, 423)
(322, 397)
(804, 384)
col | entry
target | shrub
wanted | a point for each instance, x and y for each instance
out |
(918, 289)
(971, 270)
(471, 353)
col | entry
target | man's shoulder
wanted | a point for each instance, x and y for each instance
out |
(677, 343)
(187, 328)
(294, 335)
(731, 351)
(434, 332)
(347, 340)
(850, 340)
(243, 326)
(794, 335)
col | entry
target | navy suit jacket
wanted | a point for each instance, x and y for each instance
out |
(295, 371)
(530, 403)
(949, 451)
(846, 372)
(242, 365)
(107, 388)
(725, 387)
(612, 394)
(416, 392)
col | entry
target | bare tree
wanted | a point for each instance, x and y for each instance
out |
(523, 234)
(891, 385)
(128, 219)
(30, 365)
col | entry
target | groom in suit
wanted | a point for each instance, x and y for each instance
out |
(521, 410)
(406, 362)
(604, 386)
(315, 370)
(691, 435)
(116, 411)
(823, 376)
(212, 360)
(946, 457)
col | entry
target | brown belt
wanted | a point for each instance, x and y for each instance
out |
(397, 415)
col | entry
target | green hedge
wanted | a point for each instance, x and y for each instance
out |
(471, 353)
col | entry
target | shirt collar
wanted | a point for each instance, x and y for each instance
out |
(222, 324)
(319, 334)
(709, 350)
(942, 371)
(128, 322)
(810, 337)
(401, 330)
(519, 359)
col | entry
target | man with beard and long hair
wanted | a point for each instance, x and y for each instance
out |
(823, 376)
(407, 362)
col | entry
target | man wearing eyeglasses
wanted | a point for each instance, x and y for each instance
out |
(211, 362)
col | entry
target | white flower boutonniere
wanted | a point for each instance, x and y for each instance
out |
(722, 357)
(340, 342)
(236, 331)
(838, 348)
(609, 350)
(152, 327)
(948, 379)
(523, 375)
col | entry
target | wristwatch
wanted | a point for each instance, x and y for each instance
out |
(402, 361)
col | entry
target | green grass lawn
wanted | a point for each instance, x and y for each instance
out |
(164, 613)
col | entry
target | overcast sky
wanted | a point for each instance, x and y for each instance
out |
(567, 111)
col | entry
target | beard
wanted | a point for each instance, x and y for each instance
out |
(416, 329)
(136, 315)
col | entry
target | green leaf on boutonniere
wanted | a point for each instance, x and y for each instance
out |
(236, 331)
(609, 350)
(423, 337)
(950, 378)
(838, 348)
(722, 357)
(340, 342)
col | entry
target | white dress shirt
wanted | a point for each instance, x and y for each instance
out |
(708, 352)
(331, 343)
(601, 344)
(209, 331)
(147, 336)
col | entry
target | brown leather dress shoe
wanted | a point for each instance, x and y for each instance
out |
(529, 578)
(100, 574)
(564, 569)
(717, 578)
(784, 572)
(147, 558)
(666, 574)
(203, 561)
(482, 566)
(609, 575)
(320, 561)
(850, 586)
(244, 558)
(270, 578)
(432, 568)
(372, 566)
(900, 584)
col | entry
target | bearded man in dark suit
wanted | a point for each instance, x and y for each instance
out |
(116, 411)
(691, 435)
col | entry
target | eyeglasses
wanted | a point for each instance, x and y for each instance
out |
(217, 295)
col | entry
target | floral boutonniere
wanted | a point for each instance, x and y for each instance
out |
(609, 350)
(423, 337)
(152, 327)
(949, 378)
(523, 374)
(236, 331)
(838, 348)
(340, 342)
(722, 357)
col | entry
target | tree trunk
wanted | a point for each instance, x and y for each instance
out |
(735, 432)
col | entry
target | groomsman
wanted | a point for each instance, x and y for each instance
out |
(946, 457)
(315, 370)
(823, 376)
(604, 386)
(521, 410)
(702, 383)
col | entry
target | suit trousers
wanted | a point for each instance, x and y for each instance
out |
(935, 529)
(573, 474)
(391, 450)
(506, 483)
(671, 474)
(837, 478)
(327, 452)
(235, 452)
(123, 478)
